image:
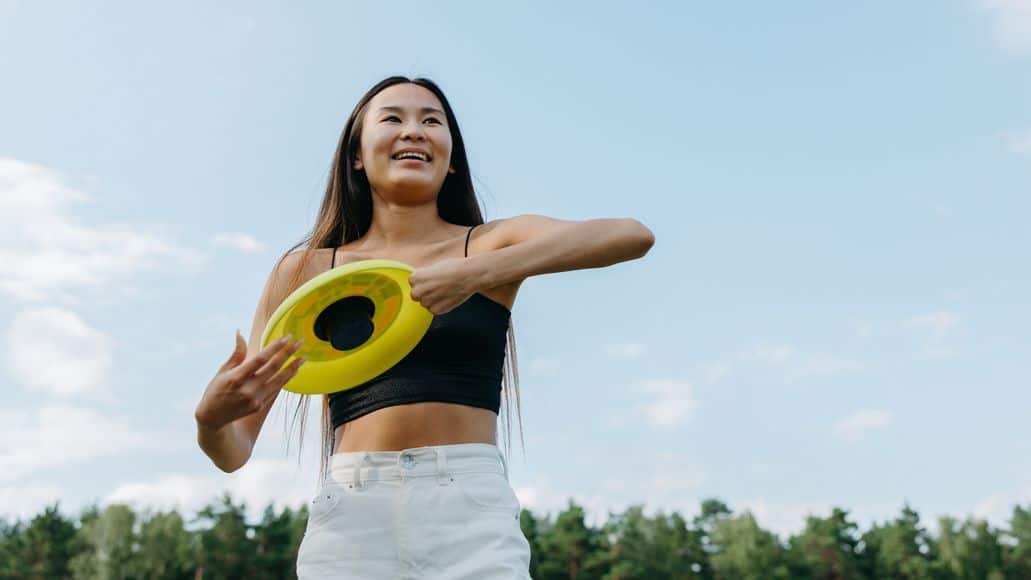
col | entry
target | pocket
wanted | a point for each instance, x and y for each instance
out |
(321, 506)
(488, 492)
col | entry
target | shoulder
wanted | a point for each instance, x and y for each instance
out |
(292, 270)
(504, 232)
(300, 262)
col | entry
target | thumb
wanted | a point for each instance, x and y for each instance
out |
(239, 352)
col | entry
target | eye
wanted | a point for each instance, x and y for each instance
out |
(391, 117)
(434, 119)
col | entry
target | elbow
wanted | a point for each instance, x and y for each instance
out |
(230, 467)
(643, 237)
(224, 464)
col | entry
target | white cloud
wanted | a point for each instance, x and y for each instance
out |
(23, 502)
(819, 365)
(672, 401)
(774, 354)
(625, 350)
(795, 365)
(781, 518)
(47, 252)
(936, 324)
(541, 496)
(785, 360)
(56, 351)
(998, 508)
(864, 329)
(59, 436)
(932, 332)
(242, 242)
(787, 518)
(259, 483)
(855, 426)
(658, 481)
(932, 201)
(1018, 142)
(716, 371)
(669, 476)
(1011, 23)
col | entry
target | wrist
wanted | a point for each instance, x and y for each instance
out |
(478, 273)
(207, 424)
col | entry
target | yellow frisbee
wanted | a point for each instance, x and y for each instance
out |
(357, 320)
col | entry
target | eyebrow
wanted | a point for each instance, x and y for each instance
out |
(422, 110)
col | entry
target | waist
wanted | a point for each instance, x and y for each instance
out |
(416, 462)
(416, 424)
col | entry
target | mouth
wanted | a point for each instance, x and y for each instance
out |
(410, 161)
(411, 156)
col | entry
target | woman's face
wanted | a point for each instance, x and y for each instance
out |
(405, 117)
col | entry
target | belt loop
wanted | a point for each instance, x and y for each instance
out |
(358, 469)
(442, 476)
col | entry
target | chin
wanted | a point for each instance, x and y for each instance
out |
(413, 190)
(427, 181)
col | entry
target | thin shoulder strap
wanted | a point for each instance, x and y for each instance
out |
(334, 260)
(467, 234)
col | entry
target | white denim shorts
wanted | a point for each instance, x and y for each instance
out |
(435, 512)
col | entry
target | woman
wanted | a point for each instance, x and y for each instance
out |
(413, 483)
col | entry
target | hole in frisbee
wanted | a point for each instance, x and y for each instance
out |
(346, 323)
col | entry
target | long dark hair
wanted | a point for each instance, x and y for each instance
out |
(346, 214)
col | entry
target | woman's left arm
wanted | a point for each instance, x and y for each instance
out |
(531, 245)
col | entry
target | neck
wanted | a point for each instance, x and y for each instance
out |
(403, 226)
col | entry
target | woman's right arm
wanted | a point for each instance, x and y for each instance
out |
(235, 403)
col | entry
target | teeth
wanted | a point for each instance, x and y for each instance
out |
(412, 155)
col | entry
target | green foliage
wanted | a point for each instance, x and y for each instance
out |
(165, 549)
(528, 523)
(276, 541)
(44, 548)
(105, 544)
(742, 550)
(901, 549)
(117, 543)
(1017, 549)
(570, 549)
(828, 548)
(226, 549)
(968, 551)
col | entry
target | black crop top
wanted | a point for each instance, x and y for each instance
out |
(458, 360)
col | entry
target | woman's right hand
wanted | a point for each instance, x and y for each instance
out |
(242, 387)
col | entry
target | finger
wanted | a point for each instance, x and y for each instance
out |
(276, 362)
(276, 383)
(250, 365)
(238, 355)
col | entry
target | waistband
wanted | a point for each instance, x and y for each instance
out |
(355, 467)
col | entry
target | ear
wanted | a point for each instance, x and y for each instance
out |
(357, 164)
(451, 170)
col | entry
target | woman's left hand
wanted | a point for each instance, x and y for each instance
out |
(441, 287)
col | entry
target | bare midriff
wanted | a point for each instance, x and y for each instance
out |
(417, 425)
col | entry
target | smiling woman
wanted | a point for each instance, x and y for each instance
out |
(412, 480)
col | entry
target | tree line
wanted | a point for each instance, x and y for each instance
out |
(218, 542)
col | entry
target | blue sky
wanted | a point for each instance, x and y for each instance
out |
(835, 310)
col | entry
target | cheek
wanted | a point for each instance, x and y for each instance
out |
(376, 142)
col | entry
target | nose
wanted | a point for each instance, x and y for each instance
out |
(412, 130)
